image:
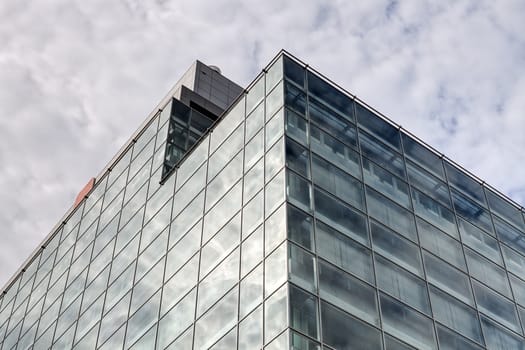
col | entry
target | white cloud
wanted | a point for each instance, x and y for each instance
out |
(78, 77)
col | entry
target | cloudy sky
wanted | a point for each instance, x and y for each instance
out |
(78, 77)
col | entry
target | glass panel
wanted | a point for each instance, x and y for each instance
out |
(226, 151)
(382, 154)
(274, 128)
(401, 284)
(465, 183)
(302, 268)
(234, 116)
(348, 293)
(449, 340)
(448, 278)
(251, 291)
(487, 272)
(294, 98)
(250, 331)
(274, 193)
(515, 262)
(255, 95)
(221, 213)
(509, 235)
(343, 252)
(455, 315)
(396, 248)
(220, 246)
(300, 227)
(275, 269)
(252, 251)
(253, 180)
(391, 214)
(274, 74)
(377, 126)
(343, 331)
(335, 151)
(332, 122)
(330, 95)
(298, 191)
(301, 342)
(254, 150)
(472, 212)
(274, 159)
(494, 305)
(255, 121)
(337, 182)
(303, 312)
(438, 243)
(480, 241)
(181, 283)
(505, 209)
(218, 186)
(406, 324)
(429, 184)
(275, 229)
(386, 183)
(218, 282)
(341, 217)
(176, 320)
(183, 250)
(275, 315)
(296, 127)
(498, 339)
(423, 156)
(297, 158)
(293, 71)
(274, 100)
(434, 212)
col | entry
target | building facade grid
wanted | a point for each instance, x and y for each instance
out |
(302, 220)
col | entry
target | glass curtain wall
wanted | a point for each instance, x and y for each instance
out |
(197, 262)
(390, 245)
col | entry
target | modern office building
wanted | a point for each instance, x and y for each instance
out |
(289, 215)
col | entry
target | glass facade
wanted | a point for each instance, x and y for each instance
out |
(302, 220)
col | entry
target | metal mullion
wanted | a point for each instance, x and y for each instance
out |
(445, 175)
(369, 228)
(413, 212)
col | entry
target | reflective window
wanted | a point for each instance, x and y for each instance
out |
(465, 183)
(335, 151)
(386, 183)
(455, 315)
(303, 312)
(471, 211)
(337, 182)
(440, 244)
(407, 324)
(505, 209)
(330, 95)
(402, 284)
(499, 339)
(296, 127)
(396, 248)
(298, 191)
(293, 71)
(377, 126)
(487, 272)
(448, 278)
(434, 212)
(391, 214)
(302, 268)
(348, 293)
(332, 122)
(341, 216)
(297, 158)
(343, 252)
(300, 227)
(479, 241)
(496, 306)
(423, 156)
(220, 280)
(342, 331)
(382, 154)
(294, 98)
